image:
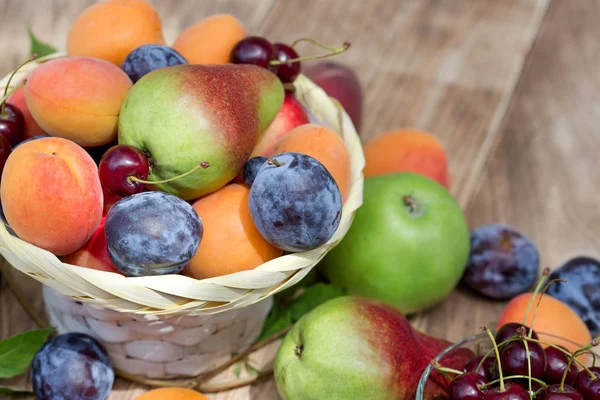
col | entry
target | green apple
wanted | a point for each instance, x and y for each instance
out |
(408, 244)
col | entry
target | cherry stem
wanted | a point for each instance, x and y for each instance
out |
(528, 364)
(332, 51)
(31, 58)
(581, 364)
(274, 161)
(544, 384)
(489, 352)
(202, 165)
(564, 376)
(538, 287)
(539, 301)
(443, 369)
(489, 333)
(8, 94)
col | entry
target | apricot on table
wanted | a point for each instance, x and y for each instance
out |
(172, 394)
(51, 194)
(210, 40)
(112, 29)
(322, 144)
(77, 98)
(407, 150)
(231, 242)
(32, 128)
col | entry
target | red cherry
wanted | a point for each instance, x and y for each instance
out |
(556, 362)
(468, 386)
(12, 124)
(588, 387)
(5, 151)
(512, 391)
(286, 72)
(554, 392)
(252, 50)
(118, 164)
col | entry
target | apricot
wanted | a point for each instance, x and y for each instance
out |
(77, 98)
(210, 40)
(555, 322)
(51, 194)
(172, 394)
(407, 150)
(231, 243)
(110, 30)
(323, 144)
(32, 128)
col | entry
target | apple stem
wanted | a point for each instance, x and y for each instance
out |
(538, 287)
(489, 333)
(3, 112)
(275, 162)
(332, 51)
(542, 383)
(539, 301)
(202, 165)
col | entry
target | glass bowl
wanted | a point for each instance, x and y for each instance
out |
(480, 344)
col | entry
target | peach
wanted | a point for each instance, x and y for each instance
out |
(32, 128)
(112, 29)
(210, 40)
(51, 194)
(407, 150)
(171, 394)
(77, 98)
(94, 254)
(231, 242)
(322, 144)
(554, 320)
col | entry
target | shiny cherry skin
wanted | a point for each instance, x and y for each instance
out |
(118, 164)
(556, 362)
(509, 330)
(554, 392)
(287, 73)
(588, 387)
(514, 359)
(487, 367)
(252, 50)
(468, 386)
(5, 151)
(512, 391)
(12, 124)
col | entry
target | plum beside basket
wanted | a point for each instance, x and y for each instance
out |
(175, 326)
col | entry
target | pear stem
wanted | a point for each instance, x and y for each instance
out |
(332, 51)
(538, 287)
(202, 165)
(489, 333)
(3, 112)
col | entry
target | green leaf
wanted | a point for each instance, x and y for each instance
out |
(17, 352)
(250, 369)
(7, 390)
(312, 297)
(237, 370)
(278, 319)
(40, 49)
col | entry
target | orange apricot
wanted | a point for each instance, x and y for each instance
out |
(407, 150)
(230, 243)
(111, 29)
(172, 394)
(322, 144)
(210, 40)
(555, 322)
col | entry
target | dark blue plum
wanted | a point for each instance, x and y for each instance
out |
(581, 291)
(295, 203)
(72, 366)
(251, 169)
(503, 262)
(149, 57)
(152, 233)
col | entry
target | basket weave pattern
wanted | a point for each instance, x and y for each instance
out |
(178, 294)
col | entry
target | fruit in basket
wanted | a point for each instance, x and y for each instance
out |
(118, 165)
(286, 71)
(251, 168)
(32, 128)
(291, 115)
(111, 29)
(12, 124)
(152, 233)
(295, 203)
(560, 392)
(324, 145)
(486, 369)
(553, 317)
(5, 151)
(149, 57)
(230, 242)
(468, 386)
(517, 360)
(407, 150)
(252, 50)
(353, 348)
(586, 385)
(72, 366)
(179, 119)
(341, 83)
(51, 194)
(582, 289)
(408, 244)
(171, 393)
(556, 363)
(94, 254)
(503, 262)
(77, 98)
(210, 40)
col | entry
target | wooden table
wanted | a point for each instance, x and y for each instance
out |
(511, 87)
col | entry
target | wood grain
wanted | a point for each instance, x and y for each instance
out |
(446, 66)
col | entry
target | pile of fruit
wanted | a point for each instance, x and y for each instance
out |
(134, 157)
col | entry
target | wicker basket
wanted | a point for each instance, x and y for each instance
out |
(173, 325)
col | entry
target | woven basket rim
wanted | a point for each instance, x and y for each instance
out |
(168, 294)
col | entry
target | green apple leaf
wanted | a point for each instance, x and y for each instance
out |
(7, 390)
(312, 297)
(277, 320)
(17, 352)
(40, 49)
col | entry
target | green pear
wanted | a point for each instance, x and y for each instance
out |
(186, 115)
(353, 348)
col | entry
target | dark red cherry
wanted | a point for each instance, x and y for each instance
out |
(252, 50)
(468, 386)
(286, 72)
(512, 391)
(510, 330)
(487, 367)
(12, 124)
(556, 362)
(118, 164)
(5, 151)
(514, 359)
(554, 392)
(588, 387)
